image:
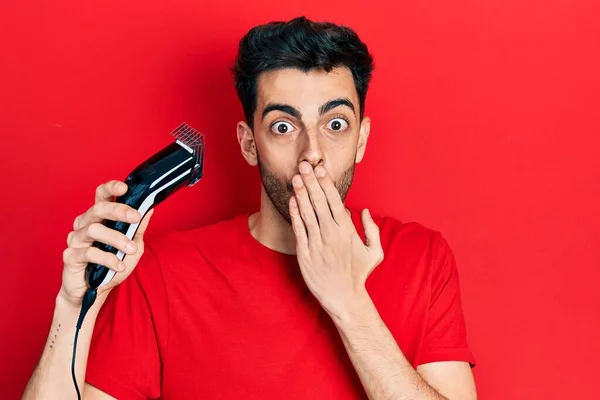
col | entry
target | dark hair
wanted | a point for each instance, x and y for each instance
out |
(302, 44)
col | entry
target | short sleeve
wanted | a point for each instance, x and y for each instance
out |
(445, 337)
(124, 358)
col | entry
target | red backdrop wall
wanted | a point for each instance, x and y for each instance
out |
(485, 127)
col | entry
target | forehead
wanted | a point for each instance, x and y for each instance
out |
(305, 89)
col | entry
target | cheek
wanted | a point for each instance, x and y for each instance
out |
(339, 157)
(280, 164)
(340, 146)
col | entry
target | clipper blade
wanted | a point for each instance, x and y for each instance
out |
(191, 138)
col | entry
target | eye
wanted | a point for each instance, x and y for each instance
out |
(281, 128)
(337, 124)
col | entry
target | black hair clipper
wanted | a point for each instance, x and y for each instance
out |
(178, 165)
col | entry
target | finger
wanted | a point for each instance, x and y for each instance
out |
(373, 240)
(97, 232)
(298, 225)
(107, 191)
(338, 210)
(79, 258)
(306, 210)
(107, 211)
(316, 195)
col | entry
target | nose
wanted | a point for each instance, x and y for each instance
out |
(312, 150)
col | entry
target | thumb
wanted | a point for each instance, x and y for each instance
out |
(143, 226)
(372, 234)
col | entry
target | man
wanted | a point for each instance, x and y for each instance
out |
(303, 299)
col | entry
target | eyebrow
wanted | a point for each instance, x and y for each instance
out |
(330, 105)
(282, 107)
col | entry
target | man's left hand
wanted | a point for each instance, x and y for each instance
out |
(333, 259)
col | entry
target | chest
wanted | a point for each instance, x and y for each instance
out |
(265, 336)
(298, 356)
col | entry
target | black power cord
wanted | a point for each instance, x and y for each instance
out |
(88, 300)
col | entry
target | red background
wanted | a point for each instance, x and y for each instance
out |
(485, 127)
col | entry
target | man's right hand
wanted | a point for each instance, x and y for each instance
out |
(88, 228)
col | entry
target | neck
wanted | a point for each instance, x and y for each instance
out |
(269, 228)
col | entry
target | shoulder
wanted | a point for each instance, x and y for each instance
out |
(395, 232)
(410, 248)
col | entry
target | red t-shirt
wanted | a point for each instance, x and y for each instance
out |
(212, 313)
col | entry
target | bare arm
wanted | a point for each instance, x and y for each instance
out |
(335, 264)
(384, 371)
(52, 376)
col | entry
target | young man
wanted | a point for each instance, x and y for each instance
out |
(276, 304)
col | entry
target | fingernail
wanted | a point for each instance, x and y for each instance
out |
(133, 215)
(320, 172)
(130, 247)
(304, 168)
(121, 266)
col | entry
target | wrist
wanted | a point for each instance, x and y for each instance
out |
(65, 304)
(357, 311)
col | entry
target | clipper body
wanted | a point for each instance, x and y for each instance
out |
(178, 165)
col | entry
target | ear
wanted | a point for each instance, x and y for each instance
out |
(247, 143)
(365, 128)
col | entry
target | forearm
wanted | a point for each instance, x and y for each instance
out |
(51, 378)
(383, 370)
